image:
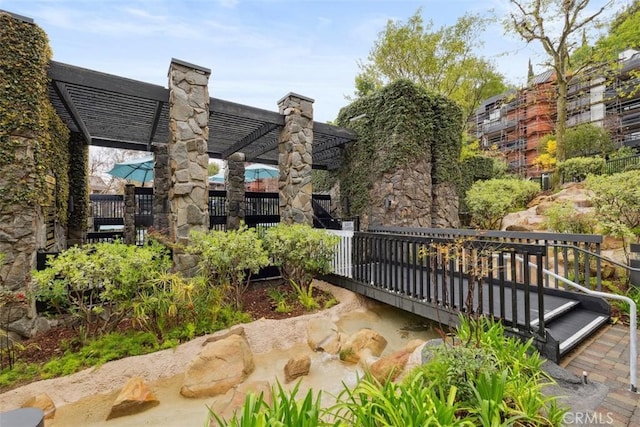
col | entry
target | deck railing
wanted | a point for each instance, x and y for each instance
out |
(471, 276)
(569, 255)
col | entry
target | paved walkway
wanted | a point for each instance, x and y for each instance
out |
(605, 358)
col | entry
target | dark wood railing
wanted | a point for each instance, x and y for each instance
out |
(446, 275)
(568, 254)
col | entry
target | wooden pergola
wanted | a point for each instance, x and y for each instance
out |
(117, 112)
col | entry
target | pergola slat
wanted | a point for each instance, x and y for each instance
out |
(117, 112)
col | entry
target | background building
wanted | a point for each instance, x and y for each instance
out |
(516, 121)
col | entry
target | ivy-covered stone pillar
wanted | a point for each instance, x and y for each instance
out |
(234, 179)
(79, 191)
(295, 159)
(130, 214)
(188, 158)
(161, 184)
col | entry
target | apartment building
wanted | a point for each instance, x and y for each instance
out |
(515, 122)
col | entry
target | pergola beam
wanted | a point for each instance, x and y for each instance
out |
(65, 98)
(60, 72)
(244, 111)
(256, 134)
(154, 126)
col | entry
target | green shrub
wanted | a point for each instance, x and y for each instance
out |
(563, 217)
(300, 251)
(178, 308)
(228, 258)
(98, 284)
(578, 168)
(616, 199)
(489, 201)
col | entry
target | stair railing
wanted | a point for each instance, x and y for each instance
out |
(633, 335)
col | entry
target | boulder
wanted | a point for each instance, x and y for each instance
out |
(296, 367)
(389, 367)
(134, 397)
(236, 330)
(363, 339)
(323, 335)
(44, 402)
(413, 344)
(415, 358)
(218, 367)
(225, 406)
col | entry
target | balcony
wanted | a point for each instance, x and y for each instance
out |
(492, 127)
(579, 119)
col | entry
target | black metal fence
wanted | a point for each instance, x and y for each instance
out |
(261, 210)
(547, 179)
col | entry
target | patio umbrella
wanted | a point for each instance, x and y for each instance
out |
(217, 178)
(140, 170)
(257, 171)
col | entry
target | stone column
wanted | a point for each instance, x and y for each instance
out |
(161, 184)
(295, 160)
(188, 158)
(234, 180)
(130, 214)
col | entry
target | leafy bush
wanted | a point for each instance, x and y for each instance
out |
(587, 139)
(98, 284)
(179, 308)
(228, 258)
(489, 201)
(563, 217)
(300, 251)
(578, 168)
(616, 199)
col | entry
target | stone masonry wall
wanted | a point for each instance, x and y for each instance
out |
(401, 198)
(295, 156)
(161, 184)
(445, 206)
(189, 133)
(234, 179)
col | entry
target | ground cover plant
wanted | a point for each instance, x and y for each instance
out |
(116, 300)
(481, 379)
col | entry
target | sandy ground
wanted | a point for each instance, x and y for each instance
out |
(263, 335)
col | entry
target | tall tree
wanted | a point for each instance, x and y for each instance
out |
(441, 60)
(557, 25)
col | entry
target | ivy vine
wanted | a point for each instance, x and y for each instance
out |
(33, 139)
(397, 126)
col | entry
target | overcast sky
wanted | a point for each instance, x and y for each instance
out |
(258, 50)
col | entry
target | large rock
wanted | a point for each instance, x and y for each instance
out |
(296, 367)
(225, 406)
(44, 402)
(218, 367)
(134, 397)
(361, 340)
(388, 368)
(323, 335)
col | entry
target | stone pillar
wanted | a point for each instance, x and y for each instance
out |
(78, 189)
(130, 214)
(234, 180)
(161, 184)
(295, 159)
(188, 158)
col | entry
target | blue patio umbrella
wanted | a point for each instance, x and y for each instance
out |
(257, 171)
(217, 178)
(139, 170)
